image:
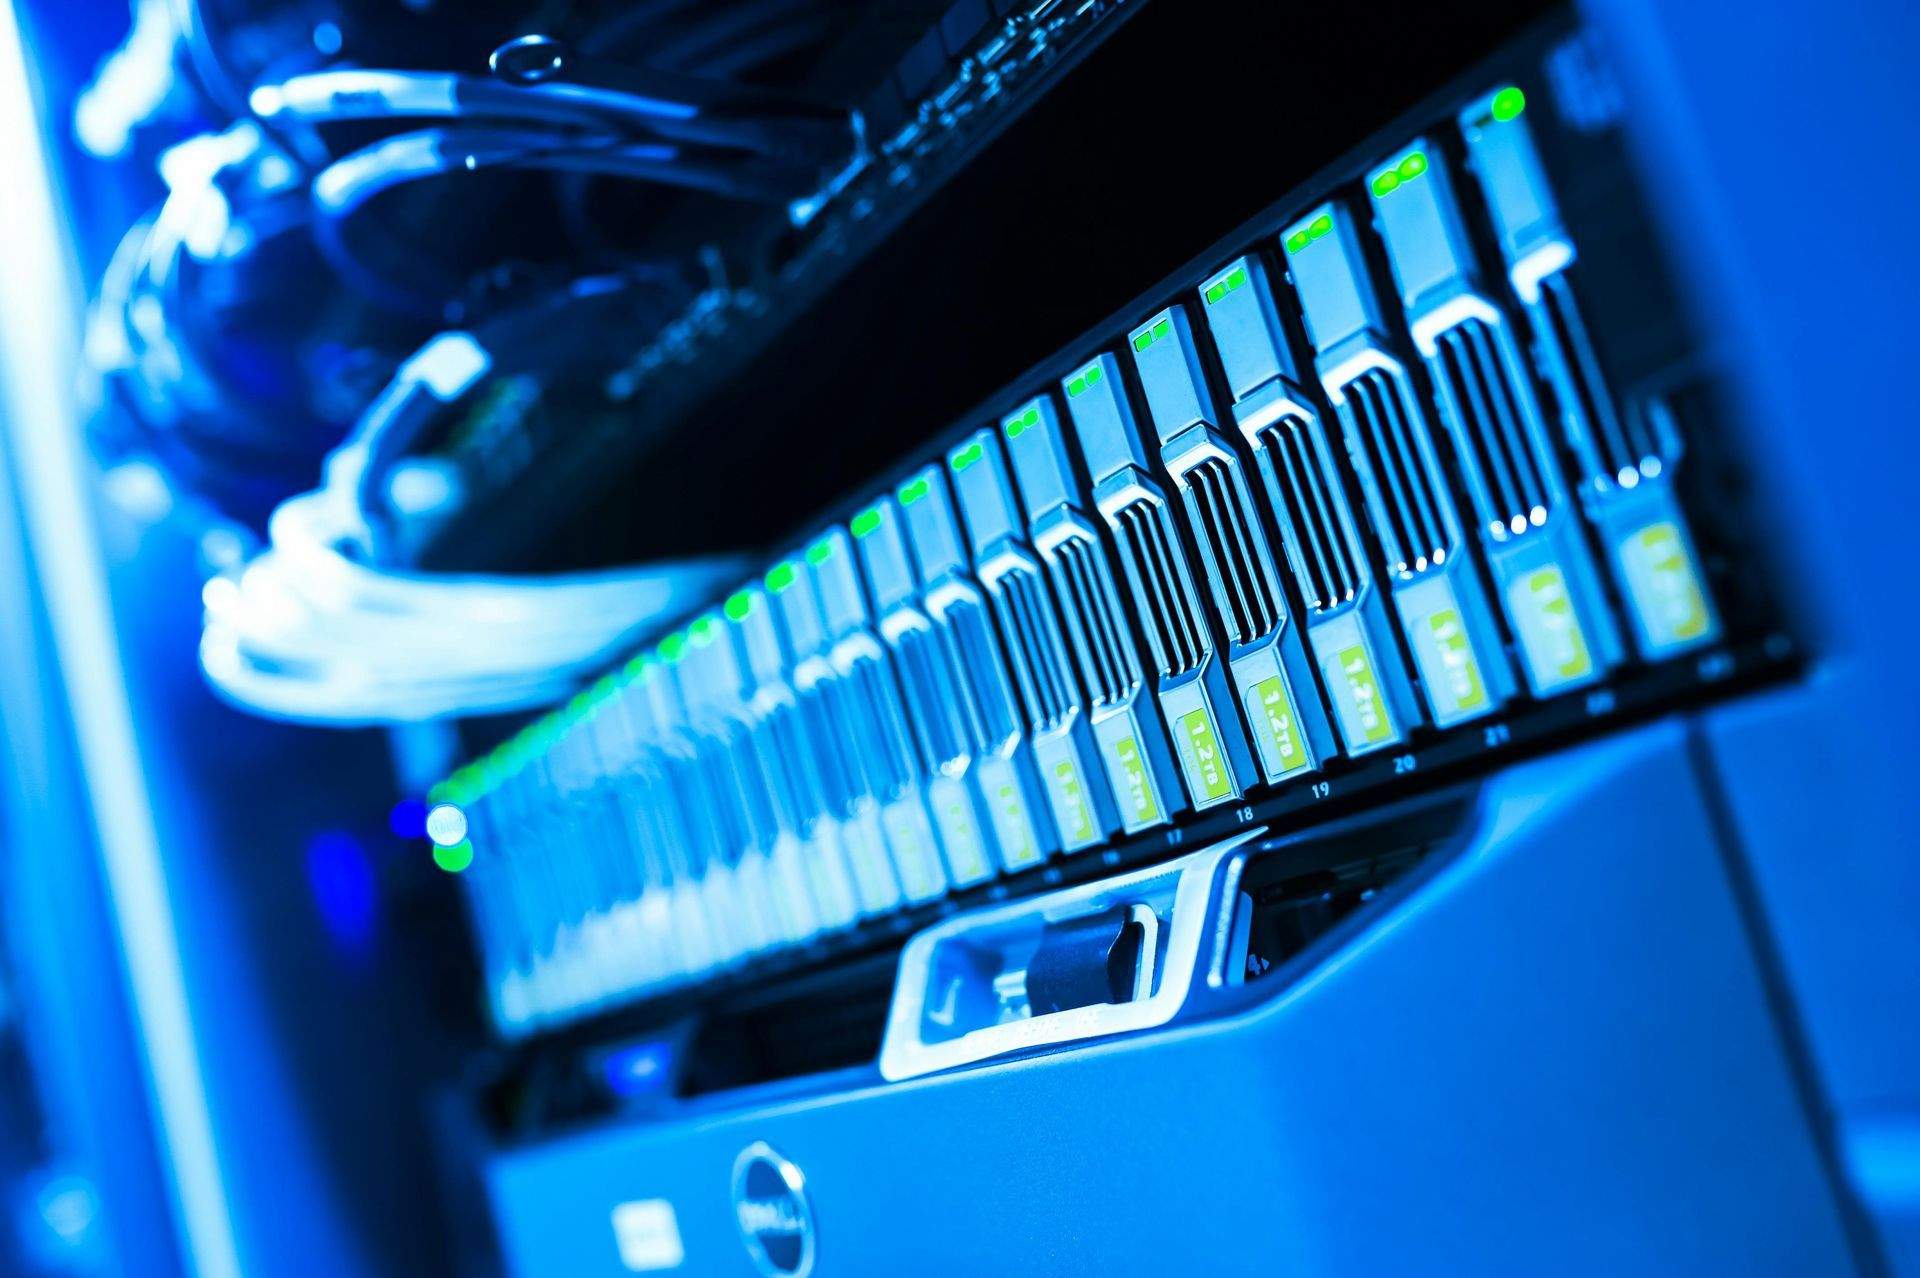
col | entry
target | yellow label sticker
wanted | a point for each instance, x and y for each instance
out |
(1559, 628)
(910, 854)
(1070, 801)
(869, 868)
(1461, 671)
(964, 851)
(1126, 753)
(1017, 846)
(1209, 769)
(1367, 718)
(1667, 585)
(1273, 712)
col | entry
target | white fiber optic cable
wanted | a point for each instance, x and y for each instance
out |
(311, 630)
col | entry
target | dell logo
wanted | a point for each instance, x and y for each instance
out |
(770, 1204)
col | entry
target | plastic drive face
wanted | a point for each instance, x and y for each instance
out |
(1442, 610)
(1347, 623)
(1529, 532)
(1627, 457)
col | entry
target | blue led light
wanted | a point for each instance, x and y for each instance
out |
(340, 874)
(640, 1069)
(408, 820)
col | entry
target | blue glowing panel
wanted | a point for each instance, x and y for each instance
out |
(341, 876)
(638, 1069)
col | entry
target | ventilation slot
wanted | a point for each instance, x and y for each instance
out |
(969, 635)
(829, 734)
(1246, 595)
(1087, 593)
(872, 701)
(932, 706)
(736, 810)
(834, 1021)
(1166, 607)
(681, 831)
(793, 763)
(1622, 445)
(1410, 516)
(1327, 572)
(1513, 474)
(1039, 659)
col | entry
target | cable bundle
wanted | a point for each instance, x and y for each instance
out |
(328, 623)
(315, 629)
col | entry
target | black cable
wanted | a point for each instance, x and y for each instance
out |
(396, 274)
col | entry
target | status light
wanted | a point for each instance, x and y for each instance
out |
(1508, 103)
(1017, 426)
(701, 632)
(1090, 377)
(454, 859)
(408, 820)
(866, 521)
(673, 647)
(1233, 280)
(1148, 336)
(913, 492)
(1409, 168)
(820, 551)
(968, 456)
(780, 576)
(446, 825)
(739, 605)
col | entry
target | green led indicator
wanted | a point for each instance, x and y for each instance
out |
(1413, 166)
(1160, 329)
(1319, 226)
(702, 632)
(912, 492)
(1144, 340)
(1076, 388)
(1386, 182)
(639, 666)
(1093, 374)
(1508, 103)
(1297, 241)
(673, 647)
(739, 605)
(454, 859)
(780, 576)
(820, 551)
(1018, 425)
(866, 521)
(968, 456)
(1226, 284)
